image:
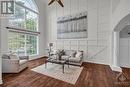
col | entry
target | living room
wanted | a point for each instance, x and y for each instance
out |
(64, 43)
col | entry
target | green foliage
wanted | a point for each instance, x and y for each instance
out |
(31, 24)
(19, 41)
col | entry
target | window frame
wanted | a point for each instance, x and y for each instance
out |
(34, 31)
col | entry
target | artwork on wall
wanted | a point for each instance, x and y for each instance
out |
(72, 26)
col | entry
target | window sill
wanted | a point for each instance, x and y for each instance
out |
(33, 55)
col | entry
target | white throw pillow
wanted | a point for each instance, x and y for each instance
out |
(14, 57)
(78, 54)
(72, 54)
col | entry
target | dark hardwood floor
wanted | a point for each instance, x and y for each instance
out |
(93, 75)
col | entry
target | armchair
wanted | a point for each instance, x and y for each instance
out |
(14, 65)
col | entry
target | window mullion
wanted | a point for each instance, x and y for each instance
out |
(25, 16)
(17, 36)
(25, 40)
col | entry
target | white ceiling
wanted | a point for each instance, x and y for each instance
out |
(45, 1)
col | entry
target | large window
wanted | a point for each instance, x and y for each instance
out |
(23, 44)
(24, 39)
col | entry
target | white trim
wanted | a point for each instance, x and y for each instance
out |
(38, 43)
(116, 68)
(26, 7)
(1, 82)
(92, 61)
(35, 57)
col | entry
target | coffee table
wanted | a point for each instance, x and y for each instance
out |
(56, 61)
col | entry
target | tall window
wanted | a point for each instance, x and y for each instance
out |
(23, 31)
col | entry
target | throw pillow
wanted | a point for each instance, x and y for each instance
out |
(78, 54)
(5, 56)
(69, 52)
(72, 54)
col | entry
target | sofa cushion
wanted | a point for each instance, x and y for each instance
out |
(65, 57)
(70, 52)
(74, 59)
(22, 62)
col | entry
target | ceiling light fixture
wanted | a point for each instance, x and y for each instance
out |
(59, 1)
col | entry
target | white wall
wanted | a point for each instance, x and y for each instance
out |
(0, 47)
(121, 10)
(0, 55)
(98, 28)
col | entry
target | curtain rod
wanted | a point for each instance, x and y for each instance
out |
(23, 30)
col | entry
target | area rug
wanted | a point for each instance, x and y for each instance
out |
(70, 74)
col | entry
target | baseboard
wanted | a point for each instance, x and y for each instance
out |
(116, 68)
(125, 66)
(97, 62)
(36, 57)
(1, 82)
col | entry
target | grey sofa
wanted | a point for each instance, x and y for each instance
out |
(14, 65)
(72, 56)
